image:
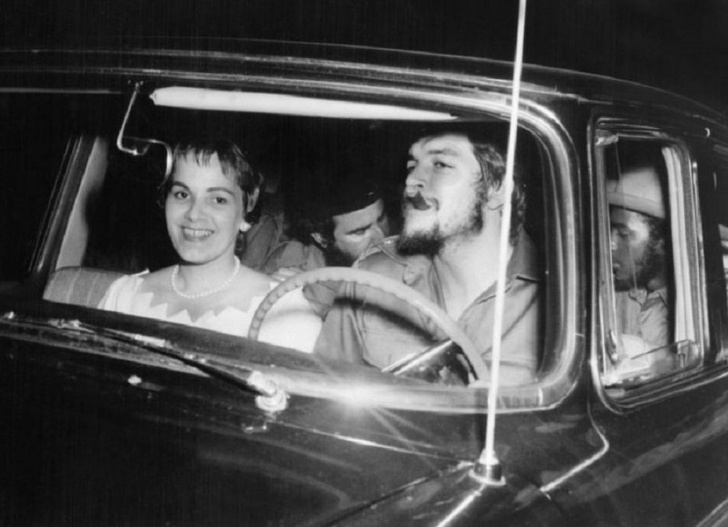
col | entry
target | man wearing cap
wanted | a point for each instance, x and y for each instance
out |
(640, 268)
(349, 220)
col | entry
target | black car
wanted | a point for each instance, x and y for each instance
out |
(113, 419)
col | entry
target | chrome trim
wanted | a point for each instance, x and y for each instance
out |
(584, 464)
(689, 232)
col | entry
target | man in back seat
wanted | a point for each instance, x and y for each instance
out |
(347, 222)
(640, 267)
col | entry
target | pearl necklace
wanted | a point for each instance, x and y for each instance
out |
(173, 280)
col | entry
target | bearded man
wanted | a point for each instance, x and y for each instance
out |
(345, 224)
(638, 239)
(448, 250)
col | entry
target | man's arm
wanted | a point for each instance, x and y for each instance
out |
(654, 320)
(340, 337)
(522, 336)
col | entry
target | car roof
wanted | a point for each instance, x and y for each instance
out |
(376, 64)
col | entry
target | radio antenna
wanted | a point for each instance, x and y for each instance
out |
(488, 467)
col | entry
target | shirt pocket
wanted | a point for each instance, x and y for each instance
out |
(392, 330)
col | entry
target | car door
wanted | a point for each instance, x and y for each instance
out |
(659, 405)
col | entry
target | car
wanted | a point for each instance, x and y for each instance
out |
(114, 419)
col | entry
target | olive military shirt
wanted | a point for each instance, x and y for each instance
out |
(366, 326)
(294, 255)
(645, 314)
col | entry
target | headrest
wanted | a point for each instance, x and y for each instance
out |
(638, 190)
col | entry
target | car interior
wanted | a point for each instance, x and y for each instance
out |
(116, 223)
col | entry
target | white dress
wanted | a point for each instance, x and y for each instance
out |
(290, 323)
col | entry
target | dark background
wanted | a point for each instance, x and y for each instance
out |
(679, 45)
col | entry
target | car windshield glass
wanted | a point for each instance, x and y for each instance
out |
(253, 199)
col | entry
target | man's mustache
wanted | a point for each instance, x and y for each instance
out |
(418, 202)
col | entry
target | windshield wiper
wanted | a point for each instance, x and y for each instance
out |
(270, 397)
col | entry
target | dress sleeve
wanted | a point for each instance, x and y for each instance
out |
(292, 323)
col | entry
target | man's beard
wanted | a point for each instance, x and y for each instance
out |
(430, 242)
(335, 257)
(647, 267)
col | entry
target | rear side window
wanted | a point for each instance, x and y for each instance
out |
(34, 137)
(650, 279)
(720, 181)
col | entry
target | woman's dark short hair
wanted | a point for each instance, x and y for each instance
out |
(233, 161)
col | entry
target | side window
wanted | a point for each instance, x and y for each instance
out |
(721, 191)
(650, 277)
(33, 139)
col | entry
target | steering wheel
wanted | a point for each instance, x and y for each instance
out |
(381, 283)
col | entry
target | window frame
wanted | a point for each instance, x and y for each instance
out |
(714, 156)
(559, 170)
(688, 254)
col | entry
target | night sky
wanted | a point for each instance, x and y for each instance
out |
(680, 45)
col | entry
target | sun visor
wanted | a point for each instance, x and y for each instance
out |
(273, 103)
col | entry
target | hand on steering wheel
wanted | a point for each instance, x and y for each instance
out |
(376, 281)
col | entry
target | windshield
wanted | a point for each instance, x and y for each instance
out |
(198, 233)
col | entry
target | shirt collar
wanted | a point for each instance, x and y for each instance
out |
(641, 295)
(523, 263)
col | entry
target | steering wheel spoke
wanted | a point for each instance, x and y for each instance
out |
(442, 363)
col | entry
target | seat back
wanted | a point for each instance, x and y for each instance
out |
(82, 286)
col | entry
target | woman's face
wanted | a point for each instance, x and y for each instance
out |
(204, 211)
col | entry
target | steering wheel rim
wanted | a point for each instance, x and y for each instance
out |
(381, 283)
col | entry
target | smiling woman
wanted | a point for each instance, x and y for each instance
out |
(211, 190)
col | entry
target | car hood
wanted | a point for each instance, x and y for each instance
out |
(110, 437)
